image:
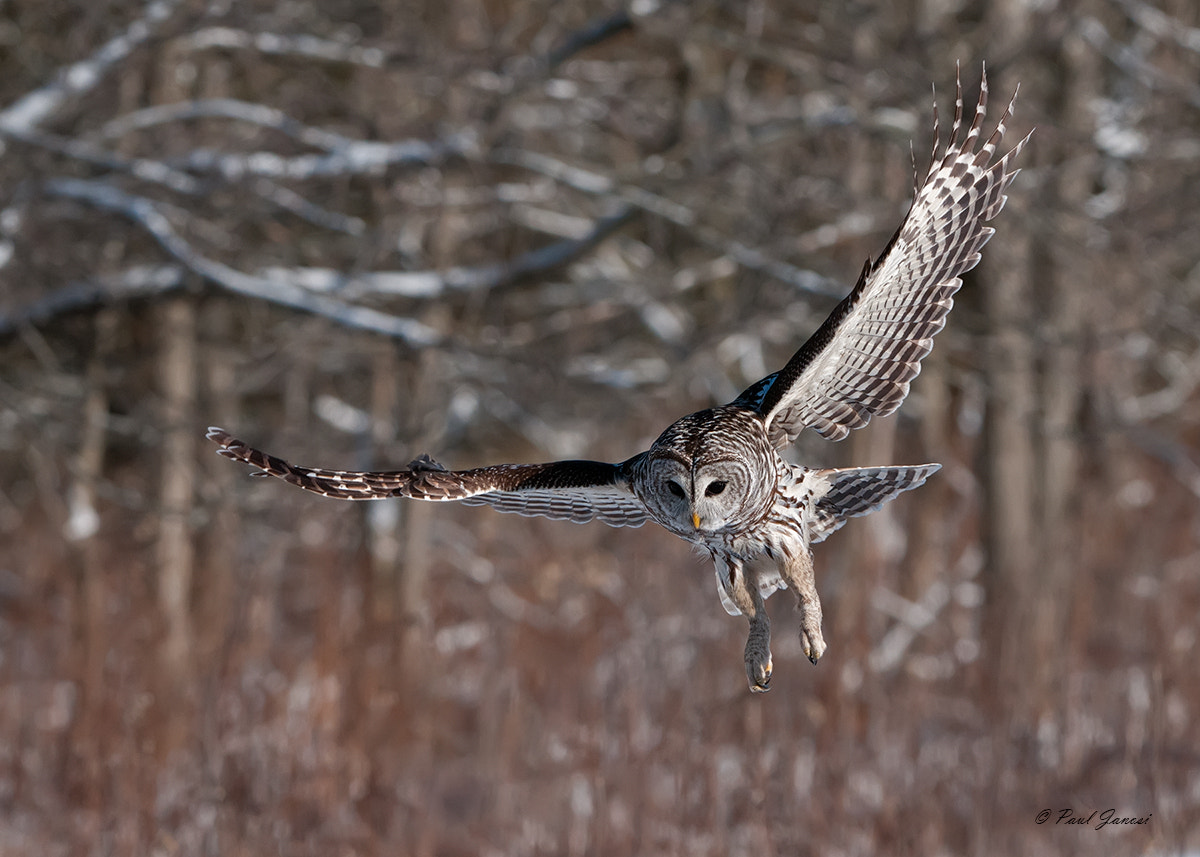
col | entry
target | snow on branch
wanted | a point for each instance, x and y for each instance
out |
(262, 115)
(138, 281)
(75, 80)
(151, 218)
(354, 157)
(302, 46)
(1134, 63)
(197, 179)
(602, 185)
(307, 289)
(431, 284)
(913, 618)
(1160, 24)
(142, 168)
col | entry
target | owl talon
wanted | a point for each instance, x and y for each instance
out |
(759, 675)
(813, 643)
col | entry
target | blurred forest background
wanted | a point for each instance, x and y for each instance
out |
(516, 230)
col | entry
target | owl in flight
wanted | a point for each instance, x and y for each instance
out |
(715, 478)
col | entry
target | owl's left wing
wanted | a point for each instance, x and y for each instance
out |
(859, 363)
(578, 491)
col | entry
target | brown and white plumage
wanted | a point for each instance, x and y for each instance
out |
(715, 478)
(861, 360)
(579, 491)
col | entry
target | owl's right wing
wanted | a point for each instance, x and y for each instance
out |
(859, 363)
(578, 491)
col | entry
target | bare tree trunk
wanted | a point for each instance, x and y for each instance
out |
(929, 538)
(216, 596)
(1008, 491)
(1012, 461)
(81, 528)
(175, 551)
(217, 604)
(1012, 376)
(860, 558)
(383, 519)
(1010, 475)
(1067, 324)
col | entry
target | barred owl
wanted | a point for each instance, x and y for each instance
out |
(715, 478)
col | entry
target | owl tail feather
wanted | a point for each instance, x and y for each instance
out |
(856, 491)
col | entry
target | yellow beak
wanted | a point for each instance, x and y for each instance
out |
(695, 520)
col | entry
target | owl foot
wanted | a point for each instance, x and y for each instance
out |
(798, 574)
(759, 673)
(758, 653)
(810, 630)
(813, 645)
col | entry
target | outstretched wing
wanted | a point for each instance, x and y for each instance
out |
(578, 491)
(860, 362)
(855, 491)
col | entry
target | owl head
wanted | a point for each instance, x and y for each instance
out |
(709, 471)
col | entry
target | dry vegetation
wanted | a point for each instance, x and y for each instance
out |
(353, 231)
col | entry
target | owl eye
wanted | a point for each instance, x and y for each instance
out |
(714, 488)
(675, 488)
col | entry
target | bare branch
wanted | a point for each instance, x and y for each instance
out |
(602, 185)
(298, 287)
(1160, 24)
(160, 173)
(342, 155)
(1170, 451)
(1127, 59)
(429, 284)
(353, 157)
(224, 108)
(148, 215)
(303, 46)
(914, 617)
(318, 215)
(593, 33)
(35, 107)
(142, 168)
(135, 282)
(1183, 379)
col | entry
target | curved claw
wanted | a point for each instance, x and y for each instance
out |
(813, 643)
(759, 674)
(811, 638)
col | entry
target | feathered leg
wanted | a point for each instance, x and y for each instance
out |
(741, 584)
(797, 572)
(852, 492)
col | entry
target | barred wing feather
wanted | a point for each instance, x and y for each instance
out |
(578, 491)
(860, 362)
